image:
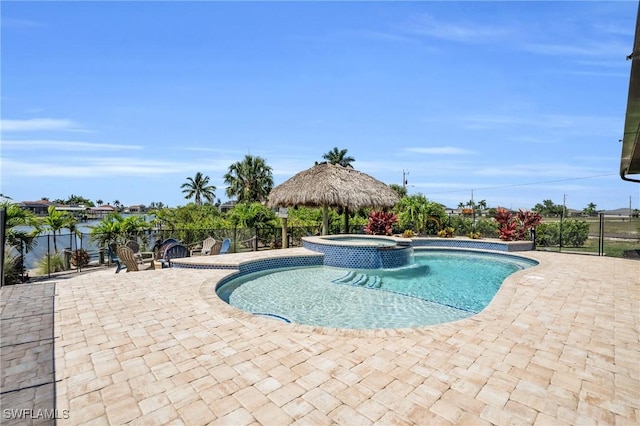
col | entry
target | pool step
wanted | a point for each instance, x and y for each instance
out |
(360, 280)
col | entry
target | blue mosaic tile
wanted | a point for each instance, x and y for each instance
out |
(469, 244)
(372, 257)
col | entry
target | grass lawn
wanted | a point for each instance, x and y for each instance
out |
(612, 247)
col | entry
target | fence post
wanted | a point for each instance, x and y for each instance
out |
(601, 236)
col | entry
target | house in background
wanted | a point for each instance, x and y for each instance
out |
(39, 208)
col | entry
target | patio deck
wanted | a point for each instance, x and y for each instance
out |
(559, 344)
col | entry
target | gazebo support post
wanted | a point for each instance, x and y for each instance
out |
(285, 240)
(325, 219)
(346, 219)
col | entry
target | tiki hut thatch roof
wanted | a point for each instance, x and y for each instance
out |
(332, 185)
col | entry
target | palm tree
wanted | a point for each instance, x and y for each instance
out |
(99, 202)
(199, 187)
(249, 180)
(57, 220)
(339, 156)
(336, 156)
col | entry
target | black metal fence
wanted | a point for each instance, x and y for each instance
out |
(606, 236)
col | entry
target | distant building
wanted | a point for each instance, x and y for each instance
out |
(38, 208)
(101, 211)
(138, 208)
(225, 207)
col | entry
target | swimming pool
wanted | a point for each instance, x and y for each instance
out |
(439, 286)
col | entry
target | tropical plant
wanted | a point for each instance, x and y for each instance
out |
(251, 215)
(80, 258)
(338, 156)
(17, 241)
(575, 233)
(49, 263)
(516, 227)
(487, 227)
(55, 221)
(548, 208)
(78, 200)
(420, 214)
(590, 209)
(198, 187)
(381, 223)
(408, 233)
(116, 228)
(249, 180)
(400, 190)
(13, 269)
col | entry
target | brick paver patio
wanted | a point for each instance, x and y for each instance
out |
(558, 345)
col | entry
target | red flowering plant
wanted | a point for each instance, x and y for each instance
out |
(516, 228)
(380, 223)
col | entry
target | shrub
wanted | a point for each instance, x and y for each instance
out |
(380, 223)
(80, 258)
(474, 235)
(574, 233)
(487, 227)
(548, 234)
(516, 228)
(408, 233)
(51, 263)
(13, 269)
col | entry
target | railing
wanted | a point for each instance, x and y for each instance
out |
(607, 236)
(54, 254)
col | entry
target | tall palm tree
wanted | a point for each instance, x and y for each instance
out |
(57, 220)
(198, 187)
(338, 156)
(249, 180)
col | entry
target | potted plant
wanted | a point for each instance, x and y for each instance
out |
(80, 258)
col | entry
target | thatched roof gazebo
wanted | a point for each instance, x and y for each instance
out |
(332, 185)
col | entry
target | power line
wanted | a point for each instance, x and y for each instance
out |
(520, 184)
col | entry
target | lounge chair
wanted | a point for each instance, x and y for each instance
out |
(216, 248)
(174, 251)
(226, 244)
(207, 245)
(113, 257)
(133, 263)
(135, 247)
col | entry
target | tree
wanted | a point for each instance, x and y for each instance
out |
(99, 202)
(56, 220)
(336, 156)
(249, 180)
(400, 190)
(590, 209)
(78, 200)
(547, 208)
(199, 187)
(339, 156)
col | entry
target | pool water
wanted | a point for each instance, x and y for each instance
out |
(440, 286)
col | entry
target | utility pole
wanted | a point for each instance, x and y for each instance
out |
(404, 178)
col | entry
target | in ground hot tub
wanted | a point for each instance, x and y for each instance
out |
(361, 251)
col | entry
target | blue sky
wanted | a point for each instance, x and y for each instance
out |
(517, 101)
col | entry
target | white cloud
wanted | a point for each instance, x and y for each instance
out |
(65, 145)
(441, 150)
(469, 32)
(37, 124)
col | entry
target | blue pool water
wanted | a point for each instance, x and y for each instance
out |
(440, 286)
